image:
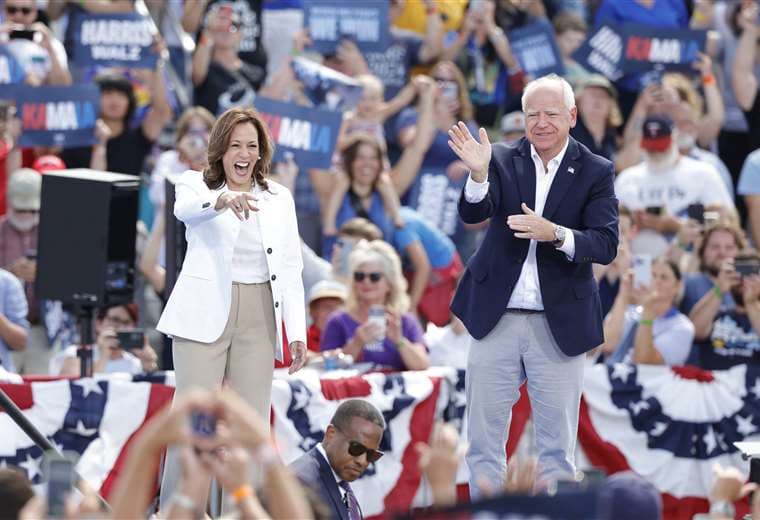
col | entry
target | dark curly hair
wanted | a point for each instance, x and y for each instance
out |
(219, 141)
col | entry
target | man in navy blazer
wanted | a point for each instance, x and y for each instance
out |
(528, 298)
(349, 446)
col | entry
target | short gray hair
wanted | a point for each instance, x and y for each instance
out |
(567, 91)
(356, 408)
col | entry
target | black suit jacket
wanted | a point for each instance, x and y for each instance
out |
(314, 471)
(582, 199)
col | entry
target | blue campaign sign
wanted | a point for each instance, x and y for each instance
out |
(58, 116)
(330, 21)
(672, 49)
(11, 71)
(536, 49)
(602, 51)
(113, 40)
(325, 87)
(309, 134)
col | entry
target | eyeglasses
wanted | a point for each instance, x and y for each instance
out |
(12, 9)
(373, 277)
(357, 449)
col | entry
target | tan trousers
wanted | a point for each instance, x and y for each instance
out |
(243, 357)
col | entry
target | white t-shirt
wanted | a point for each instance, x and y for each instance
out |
(127, 363)
(688, 182)
(447, 349)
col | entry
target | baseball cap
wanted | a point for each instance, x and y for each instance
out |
(25, 190)
(597, 80)
(513, 122)
(627, 495)
(327, 289)
(47, 163)
(656, 133)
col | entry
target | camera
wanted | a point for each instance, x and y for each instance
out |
(131, 339)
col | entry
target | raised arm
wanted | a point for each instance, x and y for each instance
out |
(743, 80)
(433, 44)
(712, 121)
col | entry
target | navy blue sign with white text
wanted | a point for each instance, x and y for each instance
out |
(536, 49)
(673, 49)
(330, 21)
(325, 87)
(56, 116)
(602, 52)
(309, 134)
(113, 40)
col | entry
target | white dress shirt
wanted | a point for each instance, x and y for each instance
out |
(527, 291)
(249, 262)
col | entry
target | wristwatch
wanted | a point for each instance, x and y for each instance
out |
(559, 236)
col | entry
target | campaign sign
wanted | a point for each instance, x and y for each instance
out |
(57, 116)
(113, 40)
(325, 87)
(309, 134)
(11, 71)
(602, 51)
(536, 49)
(673, 49)
(330, 21)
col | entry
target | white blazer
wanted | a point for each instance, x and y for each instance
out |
(199, 304)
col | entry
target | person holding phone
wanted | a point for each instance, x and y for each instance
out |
(528, 296)
(241, 277)
(644, 325)
(108, 355)
(377, 281)
(729, 337)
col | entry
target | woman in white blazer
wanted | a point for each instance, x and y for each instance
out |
(241, 277)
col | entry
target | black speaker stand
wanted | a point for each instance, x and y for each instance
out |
(84, 313)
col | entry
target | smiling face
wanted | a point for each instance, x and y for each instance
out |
(367, 291)
(240, 157)
(548, 120)
(366, 165)
(336, 442)
(114, 104)
(664, 281)
(22, 12)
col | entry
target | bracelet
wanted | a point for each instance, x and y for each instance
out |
(708, 79)
(241, 492)
(716, 290)
(403, 342)
(646, 323)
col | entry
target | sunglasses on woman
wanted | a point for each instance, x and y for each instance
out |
(373, 277)
(357, 449)
(12, 9)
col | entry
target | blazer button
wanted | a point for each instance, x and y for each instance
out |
(276, 304)
(274, 277)
(269, 250)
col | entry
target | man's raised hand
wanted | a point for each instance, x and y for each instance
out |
(476, 155)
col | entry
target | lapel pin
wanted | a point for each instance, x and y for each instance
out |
(571, 169)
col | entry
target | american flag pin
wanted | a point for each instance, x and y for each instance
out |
(571, 169)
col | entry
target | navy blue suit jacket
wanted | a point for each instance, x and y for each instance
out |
(582, 199)
(314, 471)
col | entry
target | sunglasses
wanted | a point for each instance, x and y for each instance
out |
(357, 449)
(12, 9)
(373, 277)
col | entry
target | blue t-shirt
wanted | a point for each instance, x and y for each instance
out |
(376, 213)
(695, 286)
(732, 342)
(13, 306)
(434, 194)
(749, 180)
(438, 247)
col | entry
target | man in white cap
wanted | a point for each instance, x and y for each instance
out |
(512, 127)
(18, 241)
(325, 297)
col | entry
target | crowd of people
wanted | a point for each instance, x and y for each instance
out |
(380, 238)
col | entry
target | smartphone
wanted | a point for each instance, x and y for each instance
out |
(60, 484)
(203, 424)
(711, 218)
(655, 210)
(696, 212)
(449, 89)
(131, 339)
(377, 315)
(21, 34)
(747, 265)
(642, 270)
(346, 246)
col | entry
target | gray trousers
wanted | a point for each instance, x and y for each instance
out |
(521, 347)
(243, 356)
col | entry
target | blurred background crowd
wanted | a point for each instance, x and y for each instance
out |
(380, 227)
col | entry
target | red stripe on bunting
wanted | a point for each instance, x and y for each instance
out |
(695, 373)
(21, 395)
(345, 388)
(420, 427)
(159, 397)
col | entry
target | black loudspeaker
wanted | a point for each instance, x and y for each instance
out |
(87, 232)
